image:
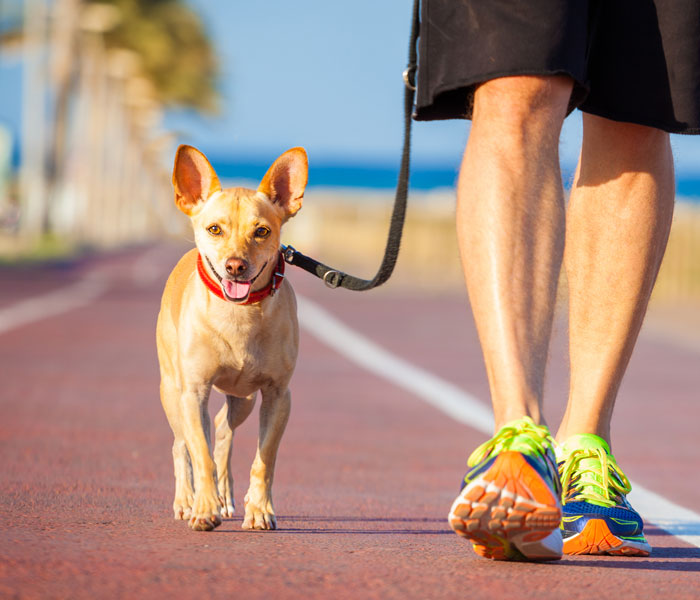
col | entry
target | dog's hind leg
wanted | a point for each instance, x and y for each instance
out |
(231, 415)
(184, 491)
(274, 414)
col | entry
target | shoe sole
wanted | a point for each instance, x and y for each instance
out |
(509, 512)
(596, 538)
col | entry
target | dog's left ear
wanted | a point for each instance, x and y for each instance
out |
(194, 179)
(285, 181)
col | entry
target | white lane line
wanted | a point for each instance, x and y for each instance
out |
(460, 406)
(54, 303)
(441, 394)
(672, 518)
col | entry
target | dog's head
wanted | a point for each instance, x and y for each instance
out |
(237, 230)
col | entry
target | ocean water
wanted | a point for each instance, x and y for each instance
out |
(361, 176)
(384, 177)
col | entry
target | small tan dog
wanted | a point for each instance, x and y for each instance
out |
(228, 321)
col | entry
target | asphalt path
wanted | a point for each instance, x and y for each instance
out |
(366, 473)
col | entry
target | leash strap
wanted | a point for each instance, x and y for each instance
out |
(334, 278)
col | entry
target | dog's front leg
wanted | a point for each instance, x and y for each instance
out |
(274, 414)
(231, 415)
(206, 511)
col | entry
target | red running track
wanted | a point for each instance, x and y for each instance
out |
(365, 476)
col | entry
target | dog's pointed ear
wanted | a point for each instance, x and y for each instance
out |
(194, 179)
(285, 181)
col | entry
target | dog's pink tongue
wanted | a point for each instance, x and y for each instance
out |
(237, 290)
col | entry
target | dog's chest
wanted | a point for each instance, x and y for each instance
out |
(251, 358)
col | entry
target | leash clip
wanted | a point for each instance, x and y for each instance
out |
(332, 278)
(288, 253)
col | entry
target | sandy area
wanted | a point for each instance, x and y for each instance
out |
(348, 229)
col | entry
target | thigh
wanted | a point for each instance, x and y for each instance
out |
(464, 43)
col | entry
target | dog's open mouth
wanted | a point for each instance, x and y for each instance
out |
(236, 291)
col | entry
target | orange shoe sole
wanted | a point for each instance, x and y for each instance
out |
(509, 512)
(596, 538)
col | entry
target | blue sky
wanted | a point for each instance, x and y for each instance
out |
(325, 75)
(321, 74)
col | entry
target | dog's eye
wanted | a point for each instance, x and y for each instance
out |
(214, 229)
(262, 232)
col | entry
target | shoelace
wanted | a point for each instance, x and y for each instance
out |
(601, 481)
(535, 437)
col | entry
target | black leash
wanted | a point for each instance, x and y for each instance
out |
(334, 278)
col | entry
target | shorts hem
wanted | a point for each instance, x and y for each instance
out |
(434, 111)
(639, 120)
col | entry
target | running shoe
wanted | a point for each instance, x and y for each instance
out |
(597, 517)
(509, 503)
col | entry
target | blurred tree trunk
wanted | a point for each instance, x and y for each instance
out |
(34, 220)
(71, 171)
(64, 69)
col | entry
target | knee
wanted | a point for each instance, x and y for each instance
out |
(523, 103)
(625, 140)
(613, 149)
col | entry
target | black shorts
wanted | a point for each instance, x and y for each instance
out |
(636, 61)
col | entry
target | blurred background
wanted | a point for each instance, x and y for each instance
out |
(97, 94)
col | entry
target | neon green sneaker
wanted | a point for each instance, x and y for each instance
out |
(597, 517)
(509, 503)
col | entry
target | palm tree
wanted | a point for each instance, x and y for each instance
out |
(172, 51)
(176, 53)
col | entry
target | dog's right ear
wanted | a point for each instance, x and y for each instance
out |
(194, 179)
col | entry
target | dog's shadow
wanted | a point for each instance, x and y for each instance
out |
(666, 558)
(375, 525)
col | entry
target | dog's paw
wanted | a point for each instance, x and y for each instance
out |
(182, 513)
(206, 513)
(259, 515)
(182, 508)
(227, 507)
(259, 519)
(226, 499)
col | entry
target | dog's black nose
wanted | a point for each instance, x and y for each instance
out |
(236, 266)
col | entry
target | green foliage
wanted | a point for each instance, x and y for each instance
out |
(176, 53)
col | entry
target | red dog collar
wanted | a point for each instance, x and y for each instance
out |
(253, 297)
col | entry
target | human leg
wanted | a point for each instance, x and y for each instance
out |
(510, 224)
(618, 223)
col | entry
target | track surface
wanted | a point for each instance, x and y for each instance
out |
(365, 476)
